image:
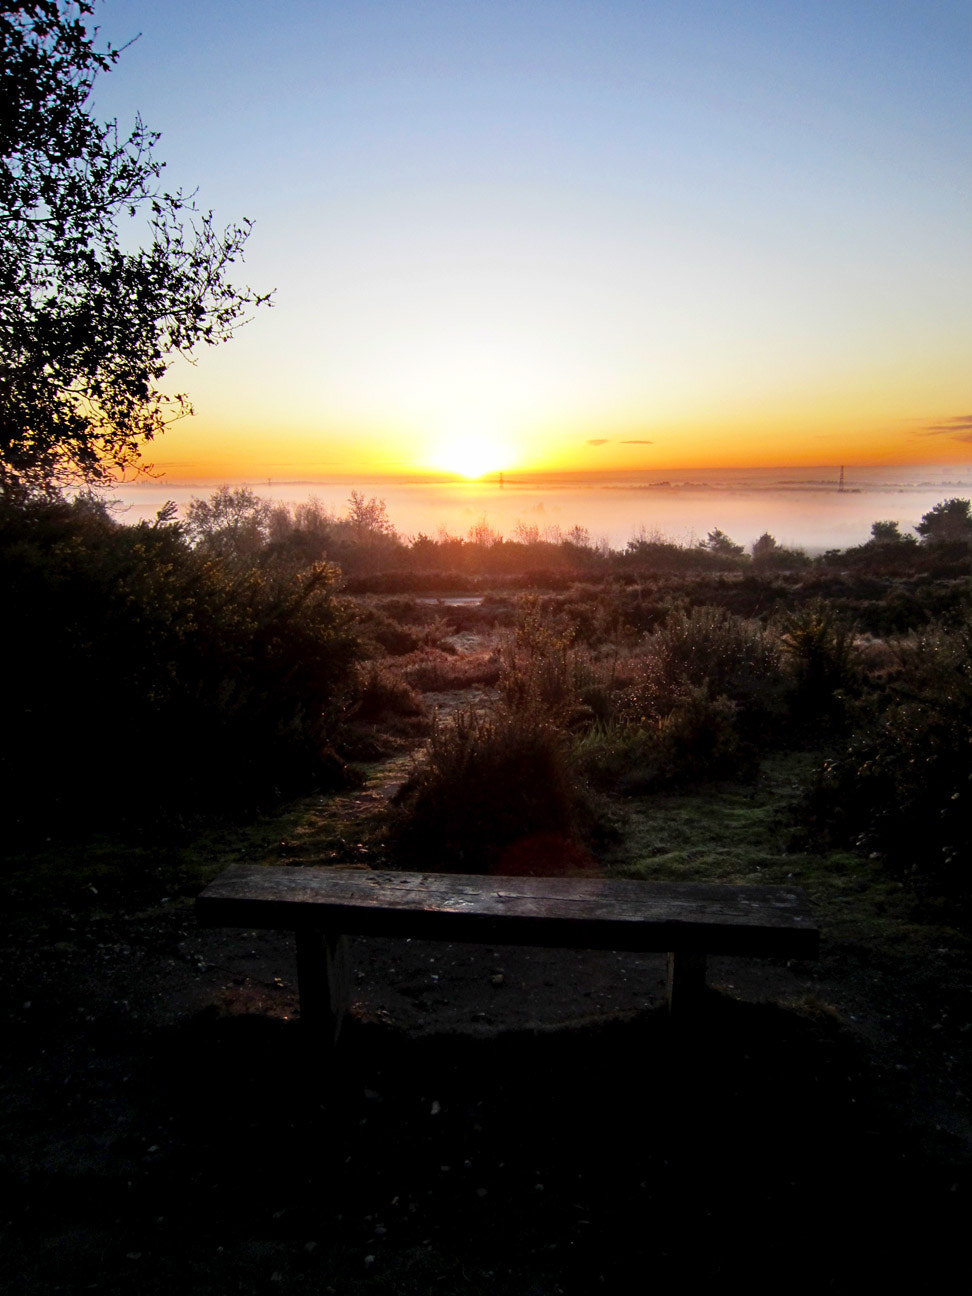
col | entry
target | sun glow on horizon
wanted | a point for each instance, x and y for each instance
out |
(472, 451)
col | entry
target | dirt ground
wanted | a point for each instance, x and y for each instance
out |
(503, 1120)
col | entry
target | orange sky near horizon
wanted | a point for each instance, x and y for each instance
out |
(211, 448)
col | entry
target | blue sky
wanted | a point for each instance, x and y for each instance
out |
(735, 231)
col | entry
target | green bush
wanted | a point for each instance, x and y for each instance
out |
(699, 740)
(495, 793)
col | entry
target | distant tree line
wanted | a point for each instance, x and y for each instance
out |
(241, 527)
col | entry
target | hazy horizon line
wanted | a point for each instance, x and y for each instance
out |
(814, 475)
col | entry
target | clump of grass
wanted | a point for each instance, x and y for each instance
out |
(618, 757)
(496, 793)
(381, 695)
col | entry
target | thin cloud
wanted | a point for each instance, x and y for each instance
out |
(961, 423)
(598, 441)
(636, 443)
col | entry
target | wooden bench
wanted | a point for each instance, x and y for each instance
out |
(323, 906)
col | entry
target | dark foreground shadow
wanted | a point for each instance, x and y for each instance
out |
(581, 1160)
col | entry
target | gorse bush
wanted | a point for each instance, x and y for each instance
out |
(147, 682)
(495, 793)
(538, 664)
(699, 739)
(382, 634)
(820, 648)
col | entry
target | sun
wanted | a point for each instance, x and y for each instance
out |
(470, 453)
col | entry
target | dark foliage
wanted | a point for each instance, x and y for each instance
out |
(88, 328)
(379, 696)
(147, 682)
(496, 793)
(820, 648)
(948, 522)
(702, 659)
(901, 787)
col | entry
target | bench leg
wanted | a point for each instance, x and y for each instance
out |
(685, 988)
(323, 982)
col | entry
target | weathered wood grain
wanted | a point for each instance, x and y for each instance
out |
(581, 913)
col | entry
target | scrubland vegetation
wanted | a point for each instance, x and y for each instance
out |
(167, 673)
(256, 684)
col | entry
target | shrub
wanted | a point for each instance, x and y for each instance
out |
(147, 682)
(431, 670)
(382, 634)
(378, 695)
(706, 648)
(706, 645)
(543, 672)
(496, 793)
(697, 740)
(902, 786)
(821, 650)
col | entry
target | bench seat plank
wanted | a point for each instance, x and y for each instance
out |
(580, 913)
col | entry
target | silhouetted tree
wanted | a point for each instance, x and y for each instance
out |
(888, 533)
(88, 328)
(299, 537)
(765, 545)
(231, 524)
(579, 536)
(483, 535)
(948, 521)
(368, 518)
(718, 542)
